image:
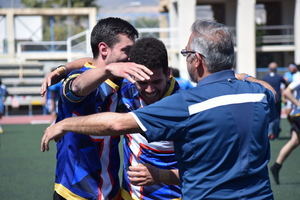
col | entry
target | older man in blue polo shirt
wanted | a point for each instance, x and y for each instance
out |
(219, 128)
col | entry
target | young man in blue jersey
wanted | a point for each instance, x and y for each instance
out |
(158, 157)
(153, 172)
(87, 166)
(219, 128)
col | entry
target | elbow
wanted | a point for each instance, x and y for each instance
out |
(286, 92)
(77, 89)
(117, 127)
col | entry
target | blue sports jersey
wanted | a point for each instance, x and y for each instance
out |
(219, 130)
(137, 150)
(87, 166)
(3, 94)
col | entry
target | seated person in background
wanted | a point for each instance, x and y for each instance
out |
(3, 95)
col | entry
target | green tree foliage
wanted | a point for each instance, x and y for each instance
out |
(64, 26)
(145, 22)
(58, 3)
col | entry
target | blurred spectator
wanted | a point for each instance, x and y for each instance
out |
(292, 70)
(275, 80)
(292, 93)
(51, 99)
(183, 83)
(3, 95)
(290, 76)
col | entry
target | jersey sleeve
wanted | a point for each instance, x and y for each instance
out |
(67, 92)
(163, 120)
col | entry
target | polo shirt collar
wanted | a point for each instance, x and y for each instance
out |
(218, 76)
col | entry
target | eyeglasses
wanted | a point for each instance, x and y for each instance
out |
(185, 52)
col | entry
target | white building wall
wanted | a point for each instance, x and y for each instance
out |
(297, 31)
(245, 34)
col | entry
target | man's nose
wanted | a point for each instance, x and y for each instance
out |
(149, 89)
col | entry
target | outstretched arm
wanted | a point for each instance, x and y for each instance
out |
(244, 76)
(107, 123)
(288, 93)
(146, 174)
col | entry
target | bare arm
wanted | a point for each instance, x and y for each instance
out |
(146, 174)
(244, 76)
(288, 93)
(107, 123)
(88, 81)
(60, 73)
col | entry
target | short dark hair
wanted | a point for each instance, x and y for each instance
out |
(175, 72)
(107, 30)
(150, 52)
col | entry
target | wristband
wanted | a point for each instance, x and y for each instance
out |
(61, 70)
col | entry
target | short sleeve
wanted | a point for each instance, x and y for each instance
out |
(68, 94)
(294, 85)
(163, 120)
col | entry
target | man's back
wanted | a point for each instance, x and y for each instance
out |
(221, 141)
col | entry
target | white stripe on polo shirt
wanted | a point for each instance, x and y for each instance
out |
(138, 122)
(226, 100)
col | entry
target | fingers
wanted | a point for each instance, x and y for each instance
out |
(138, 181)
(43, 88)
(45, 142)
(130, 78)
(139, 175)
(140, 72)
(137, 178)
(134, 74)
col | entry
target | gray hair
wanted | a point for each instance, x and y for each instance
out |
(214, 41)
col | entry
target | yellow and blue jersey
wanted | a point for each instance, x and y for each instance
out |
(87, 166)
(138, 150)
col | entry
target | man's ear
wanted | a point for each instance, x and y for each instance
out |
(199, 64)
(103, 49)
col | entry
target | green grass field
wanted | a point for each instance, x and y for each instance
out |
(27, 174)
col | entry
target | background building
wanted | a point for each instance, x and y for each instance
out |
(265, 30)
(34, 40)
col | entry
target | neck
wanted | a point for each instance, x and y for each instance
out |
(98, 62)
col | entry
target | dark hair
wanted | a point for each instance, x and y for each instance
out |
(150, 52)
(107, 30)
(175, 72)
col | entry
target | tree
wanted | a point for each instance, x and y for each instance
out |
(73, 23)
(58, 3)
